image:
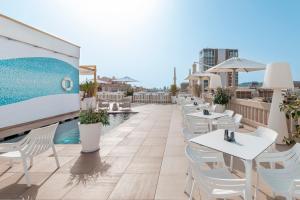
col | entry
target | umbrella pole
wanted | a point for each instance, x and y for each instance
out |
(233, 82)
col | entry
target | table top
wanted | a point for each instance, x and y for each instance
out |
(246, 147)
(212, 115)
(192, 105)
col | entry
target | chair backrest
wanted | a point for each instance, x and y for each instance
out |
(237, 118)
(202, 155)
(292, 157)
(266, 133)
(197, 125)
(38, 140)
(229, 113)
(226, 122)
(213, 108)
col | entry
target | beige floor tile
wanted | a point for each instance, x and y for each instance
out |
(174, 165)
(110, 141)
(54, 188)
(138, 134)
(175, 141)
(171, 187)
(117, 165)
(144, 165)
(151, 151)
(135, 187)
(98, 189)
(124, 151)
(14, 185)
(175, 150)
(132, 141)
(155, 141)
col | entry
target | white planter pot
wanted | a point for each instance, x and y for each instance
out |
(173, 99)
(220, 108)
(90, 137)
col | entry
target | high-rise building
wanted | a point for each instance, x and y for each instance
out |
(210, 57)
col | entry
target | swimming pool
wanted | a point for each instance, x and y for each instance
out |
(68, 132)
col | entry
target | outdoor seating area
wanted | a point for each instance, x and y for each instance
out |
(163, 152)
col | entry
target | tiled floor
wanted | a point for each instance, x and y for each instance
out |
(142, 159)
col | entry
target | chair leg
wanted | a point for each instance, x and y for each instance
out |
(26, 172)
(31, 161)
(55, 155)
(188, 184)
(257, 184)
(192, 190)
(231, 163)
(11, 163)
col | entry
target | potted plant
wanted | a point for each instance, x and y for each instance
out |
(173, 91)
(90, 124)
(221, 98)
(292, 111)
(89, 101)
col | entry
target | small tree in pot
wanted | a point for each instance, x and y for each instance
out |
(89, 101)
(173, 91)
(221, 98)
(292, 110)
(90, 129)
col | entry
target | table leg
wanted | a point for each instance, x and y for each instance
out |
(248, 173)
(210, 125)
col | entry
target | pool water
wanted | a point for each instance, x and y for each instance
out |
(68, 132)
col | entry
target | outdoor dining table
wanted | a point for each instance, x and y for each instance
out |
(212, 116)
(246, 147)
(193, 105)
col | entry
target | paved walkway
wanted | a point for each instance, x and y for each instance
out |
(141, 159)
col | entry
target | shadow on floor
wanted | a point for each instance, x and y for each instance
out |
(87, 168)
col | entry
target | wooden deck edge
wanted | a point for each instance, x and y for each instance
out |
(20, 128)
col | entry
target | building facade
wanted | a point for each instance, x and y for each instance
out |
(209, 57)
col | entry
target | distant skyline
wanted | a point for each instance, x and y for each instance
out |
(147, 39)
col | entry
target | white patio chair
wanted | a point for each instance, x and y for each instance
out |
(225, 122)
(237, 118)
(36, 142)
(286, 181)
(229, 113)
(266, 133)
(197, 125)
(213, 108)
(216, 182)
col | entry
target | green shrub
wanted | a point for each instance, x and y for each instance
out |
(88, 88)
(221, 97)
(292, 111)
(91, 117)
(129, 92)
(173, 90)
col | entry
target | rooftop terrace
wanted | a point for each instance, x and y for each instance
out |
(141, 159)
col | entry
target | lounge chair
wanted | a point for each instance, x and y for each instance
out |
(36, 142)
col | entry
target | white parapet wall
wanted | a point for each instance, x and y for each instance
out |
(39, 74)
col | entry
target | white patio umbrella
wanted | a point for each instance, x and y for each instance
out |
(198, 75)
(125, 79)
(236, 64)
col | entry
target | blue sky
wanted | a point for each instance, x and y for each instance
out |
(146, 39)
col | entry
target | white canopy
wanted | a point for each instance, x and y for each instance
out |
(238, 65)
(199, 75)
(125, 79)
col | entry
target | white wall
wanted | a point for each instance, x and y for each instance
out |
(25, 42)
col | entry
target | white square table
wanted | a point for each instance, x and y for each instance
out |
(198, 105)
(247, 147)
(210, 117)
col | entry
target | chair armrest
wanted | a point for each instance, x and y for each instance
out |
(6, 147)
(295, 185)
(272, 157)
